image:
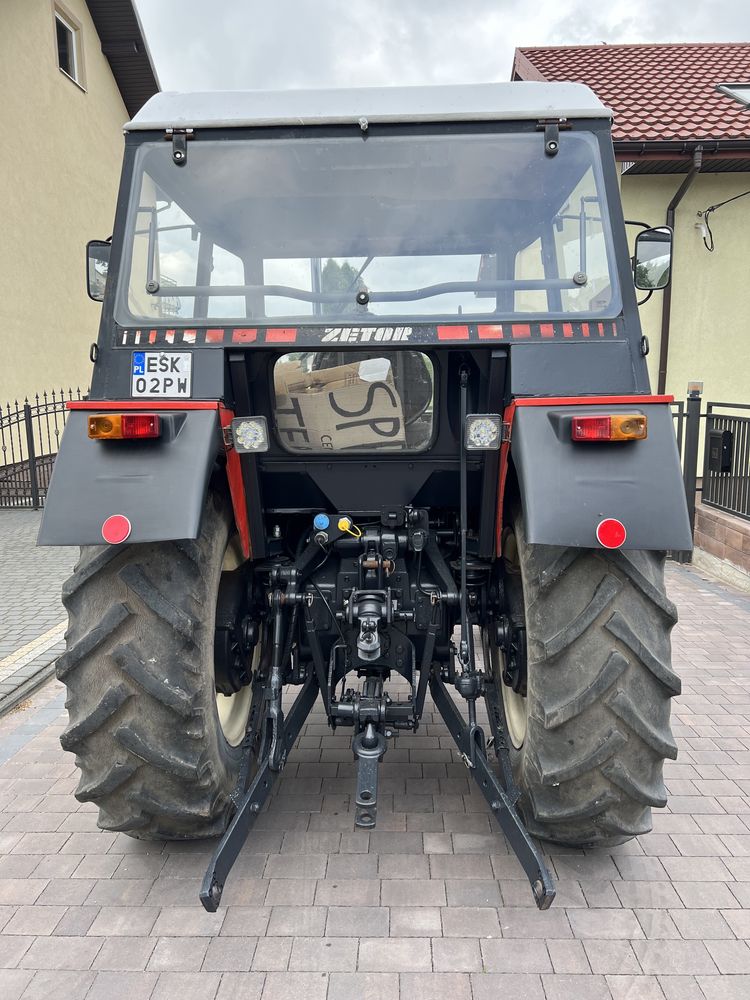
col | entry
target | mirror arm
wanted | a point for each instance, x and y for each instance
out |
(646, 298)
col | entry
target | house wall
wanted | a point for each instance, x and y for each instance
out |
(60, 158)
(710, 324)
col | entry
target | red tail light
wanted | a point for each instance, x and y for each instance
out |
(610, 427)
(140, 425)
(591, 428)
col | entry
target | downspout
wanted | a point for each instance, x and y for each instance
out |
(666, 310)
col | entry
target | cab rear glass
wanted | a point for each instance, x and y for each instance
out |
(397, 228)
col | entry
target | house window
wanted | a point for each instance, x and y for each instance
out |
(68, 47)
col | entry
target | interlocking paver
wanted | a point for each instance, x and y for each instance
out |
(244, 985)
(435, 986)
(519, 986)
(177, 954)
(57, 984)
(386, 954)
(364, 986)
(515, 956)
(124, 954)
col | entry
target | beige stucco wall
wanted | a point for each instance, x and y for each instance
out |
(60, 157)
(710, 324)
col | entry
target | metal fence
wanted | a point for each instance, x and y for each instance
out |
(726, 462)
(29, 441)
(718, 470)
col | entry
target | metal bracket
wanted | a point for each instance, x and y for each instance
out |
(179, 137)
(499, 802)
(368, 746)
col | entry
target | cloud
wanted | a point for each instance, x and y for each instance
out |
(246, 44)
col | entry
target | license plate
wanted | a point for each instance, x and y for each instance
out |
(161, 373)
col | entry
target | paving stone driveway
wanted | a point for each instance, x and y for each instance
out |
(430, 905)
(31, 615)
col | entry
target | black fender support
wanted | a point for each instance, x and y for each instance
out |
(159, 485)
(568, 487)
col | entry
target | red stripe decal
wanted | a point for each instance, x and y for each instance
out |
(490, 332)
(601, 329)
(504, 457)
(237, 488)
(152, 336)
(146, 404)
(592, 400)
(169, 336)
(215, 336)
(521, 330)
(547, 329)
(282, 335)
(585, 329)
(567, 329)
(453, 333)
(244, 336)
(614, 329)
(188, 336)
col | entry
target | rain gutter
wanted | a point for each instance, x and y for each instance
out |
(666, 312)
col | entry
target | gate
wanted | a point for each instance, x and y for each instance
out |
(29, 441)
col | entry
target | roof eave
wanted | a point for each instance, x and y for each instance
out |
(678, 148)
(124, 45)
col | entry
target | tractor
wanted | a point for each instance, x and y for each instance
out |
(370, 420)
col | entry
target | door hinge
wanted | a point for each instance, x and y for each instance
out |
(179, 137)
(552, 128)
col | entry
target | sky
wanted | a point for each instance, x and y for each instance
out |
(247, 44)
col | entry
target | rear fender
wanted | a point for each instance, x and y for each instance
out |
(567, 488)
(159, 485)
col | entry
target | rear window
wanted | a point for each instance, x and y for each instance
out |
(350, 401)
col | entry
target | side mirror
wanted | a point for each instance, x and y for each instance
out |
(652, 262)
(97, 256)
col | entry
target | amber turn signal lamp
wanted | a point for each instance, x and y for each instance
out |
(610, 427)
(121, 426)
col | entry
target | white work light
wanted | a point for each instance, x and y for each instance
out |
(250, 434)
(483, 431)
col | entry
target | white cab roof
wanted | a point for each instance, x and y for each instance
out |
(522, 100)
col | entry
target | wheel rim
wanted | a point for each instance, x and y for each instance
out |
(515, 705)
(516, 715)
(233, 710)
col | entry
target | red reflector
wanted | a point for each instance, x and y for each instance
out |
(611, 533)
(592, 428)
(116, 529)
(141, 425)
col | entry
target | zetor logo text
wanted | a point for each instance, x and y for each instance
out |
(361, 334)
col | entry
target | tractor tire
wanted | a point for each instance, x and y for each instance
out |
(598, 685)
(139, 671)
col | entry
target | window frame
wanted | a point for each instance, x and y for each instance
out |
(357, 453)
(61, 15)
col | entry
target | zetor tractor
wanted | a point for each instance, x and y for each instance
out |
(370, 403)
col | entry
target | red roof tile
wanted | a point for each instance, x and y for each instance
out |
(657, 92)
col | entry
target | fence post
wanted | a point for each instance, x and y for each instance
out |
(690, 465)
(32, 456)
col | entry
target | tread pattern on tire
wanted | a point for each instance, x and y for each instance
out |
(599, 689)
(143, 720)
